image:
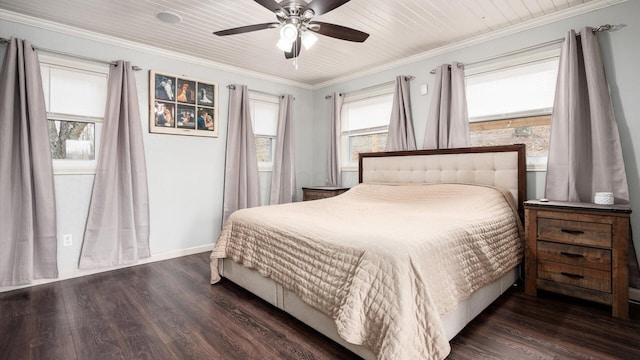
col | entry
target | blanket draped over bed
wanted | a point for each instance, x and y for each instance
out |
(384, 261)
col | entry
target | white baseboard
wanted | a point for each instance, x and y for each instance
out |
(80, 273)
(634, 294)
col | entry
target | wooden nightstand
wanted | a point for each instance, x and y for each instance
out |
(580, 250)
(321, 192)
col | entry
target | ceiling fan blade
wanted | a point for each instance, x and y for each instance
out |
(295, 50)
(271, 5)
(320, 7)
(244, 29)
(339, 32)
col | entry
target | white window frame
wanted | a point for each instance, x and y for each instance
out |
(533, 163)
(75, 167)
(259, 97)
(345, 163)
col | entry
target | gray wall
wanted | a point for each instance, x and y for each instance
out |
(186, 174)
(620, 52)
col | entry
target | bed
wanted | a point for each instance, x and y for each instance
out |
(395, 267)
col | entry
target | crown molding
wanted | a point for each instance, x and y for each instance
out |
(112, 40)
(493, 35)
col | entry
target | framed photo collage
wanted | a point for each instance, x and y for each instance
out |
(182, 106)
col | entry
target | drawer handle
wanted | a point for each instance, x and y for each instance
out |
(573, 276)
(571, 255)
(572, 231)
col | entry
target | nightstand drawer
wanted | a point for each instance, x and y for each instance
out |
(575, 275)
(575, 232)
(315, 195)
(321, 192)
(592, 258)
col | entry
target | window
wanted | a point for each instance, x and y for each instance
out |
(75, 97)
(264, 117)
(365, 124)
(511, 103)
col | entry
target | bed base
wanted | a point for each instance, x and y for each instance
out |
(283, 299)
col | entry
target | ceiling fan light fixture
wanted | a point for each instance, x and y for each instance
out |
(284, 45)
(296, 26)
(289, 33)
(308, 39)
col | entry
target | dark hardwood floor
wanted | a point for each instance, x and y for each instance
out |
(168, 310)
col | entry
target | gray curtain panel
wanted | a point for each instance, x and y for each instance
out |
(401, 135)
(334, 175)
(448, 119)
(28, 243)
(241, 182)
(117, 230)
(585, 154)
(283, 175)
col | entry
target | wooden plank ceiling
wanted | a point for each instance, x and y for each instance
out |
(398, 29)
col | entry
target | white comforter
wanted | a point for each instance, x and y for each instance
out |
(383, 261)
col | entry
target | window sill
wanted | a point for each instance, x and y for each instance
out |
(69, 168)
(536, 168)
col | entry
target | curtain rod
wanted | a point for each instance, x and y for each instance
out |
(231, 86)
(135, 68)
(409, 77)
(601, 28)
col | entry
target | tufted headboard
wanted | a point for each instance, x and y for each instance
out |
(501, 166)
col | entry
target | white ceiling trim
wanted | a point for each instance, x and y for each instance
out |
(514, 29)
(111, 40)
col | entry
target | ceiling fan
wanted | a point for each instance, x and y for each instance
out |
(295, 20)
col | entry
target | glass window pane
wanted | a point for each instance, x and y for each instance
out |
(77, 92)
(526, 89)
(533, 132)
(265, 118)
(72, 140)
(367, 113)
(535, 137)
(264, 148)
(366, 143)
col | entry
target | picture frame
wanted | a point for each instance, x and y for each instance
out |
(182, 106)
